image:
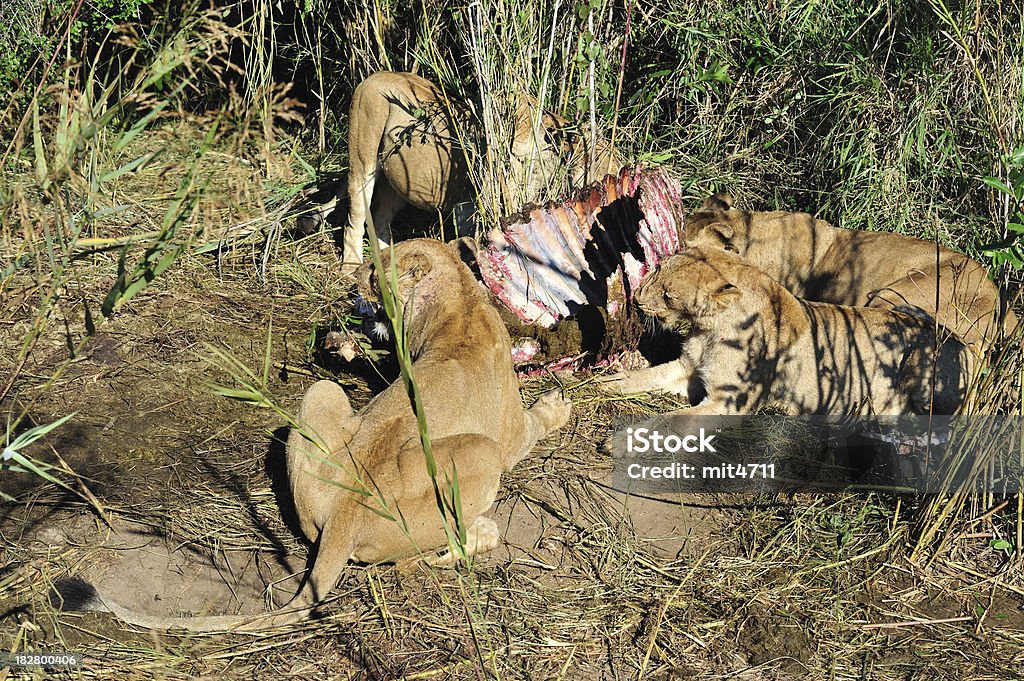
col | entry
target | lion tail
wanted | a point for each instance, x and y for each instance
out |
(76, 594)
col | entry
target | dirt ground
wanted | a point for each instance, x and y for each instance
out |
(589, 583)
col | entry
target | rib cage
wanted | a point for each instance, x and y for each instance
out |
(547, 263)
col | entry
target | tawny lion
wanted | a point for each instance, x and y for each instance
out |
(359, 478)
(819, 262)
(408, 145)
(753, 344)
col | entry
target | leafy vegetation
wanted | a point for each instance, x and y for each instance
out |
(1011, 196)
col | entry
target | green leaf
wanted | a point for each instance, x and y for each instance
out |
(135, 164)
(250, 397)
(140, 125)
(90, 324)
(18, 264)
(105, 213)
(997, 184)
(148, 274)
(33, 434)
(30, 467)
(372, 509)
(306, 167)
(22, 463)
(1001, 545)
(716, 72)
(660, 157)
(267, 356)
(112, 297)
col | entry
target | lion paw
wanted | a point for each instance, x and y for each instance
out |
(481, 536)
(612, 383)
(553, 409)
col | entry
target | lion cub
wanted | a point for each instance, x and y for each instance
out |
(754, 344)
(817, 261)
(408, 142)
(359, 478)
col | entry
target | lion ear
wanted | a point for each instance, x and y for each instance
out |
(726, 296)
(721, 201)
(721, 234)
(413, 267)
(363, 274)
(466, 249)
(724, 231)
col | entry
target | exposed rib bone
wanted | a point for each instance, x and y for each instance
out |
(591, 250)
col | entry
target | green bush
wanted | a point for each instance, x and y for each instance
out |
(30, 31)
(873, 115)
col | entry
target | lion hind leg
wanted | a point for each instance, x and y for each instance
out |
(969, 304)
(323, 427)
(326, 419)
(387, 204)
(365, 133)
(360, 195)
(384, 204)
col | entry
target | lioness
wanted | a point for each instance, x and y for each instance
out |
(753, 344)
(359, 479)
(407, 145)
(817, 261)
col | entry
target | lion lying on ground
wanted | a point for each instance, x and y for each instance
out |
(407, 145)
(359, 479)
(817, 261)
(753, 344)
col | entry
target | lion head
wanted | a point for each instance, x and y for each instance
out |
(715, 225)
(690, 288)
(427, 273)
